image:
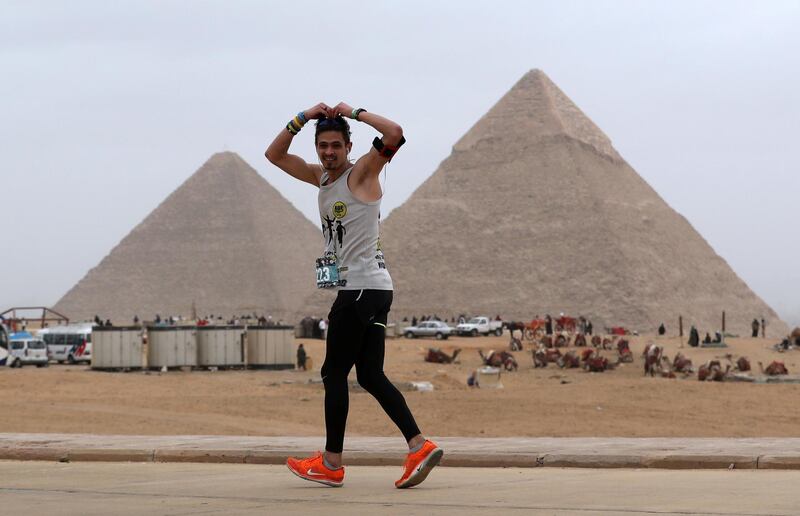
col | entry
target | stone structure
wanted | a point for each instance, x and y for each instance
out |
(225, 240)
(534, 212)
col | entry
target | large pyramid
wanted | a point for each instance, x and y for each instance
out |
(225, 240)
(534, 212)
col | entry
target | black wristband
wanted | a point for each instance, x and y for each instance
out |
(387, 151)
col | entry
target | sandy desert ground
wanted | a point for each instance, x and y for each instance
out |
(533, 402)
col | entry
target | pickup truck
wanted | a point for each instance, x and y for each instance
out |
(482, 325)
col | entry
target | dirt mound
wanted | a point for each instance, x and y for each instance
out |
(445, 381)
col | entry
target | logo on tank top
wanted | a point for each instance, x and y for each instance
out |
(339, 209)
(333, 227)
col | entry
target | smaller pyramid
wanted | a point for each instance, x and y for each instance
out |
(225, 240)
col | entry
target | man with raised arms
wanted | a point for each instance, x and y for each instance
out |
(353, 264)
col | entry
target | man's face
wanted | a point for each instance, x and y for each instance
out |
(332, 150)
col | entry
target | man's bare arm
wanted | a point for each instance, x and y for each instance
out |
(278, 151)
(370, 165)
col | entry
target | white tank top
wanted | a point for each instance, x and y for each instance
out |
(351, 231)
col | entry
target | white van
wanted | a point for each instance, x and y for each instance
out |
(71, 343)
(25, 349)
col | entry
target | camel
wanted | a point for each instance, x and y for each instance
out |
(543, 356)
(499, 359)
(720, 375)
(681, 364)
(569, 360)
(553, 355)
(561, 341)
(666, 368)
(539, 358)
(580, 340)
(652, 359)
(624, 350)
(710, 371)
(775, 368)
(594, 362)
(599, 364)
(743, 364)
(586, 354)
(437, 356)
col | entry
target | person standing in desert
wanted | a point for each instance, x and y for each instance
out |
(352, 264)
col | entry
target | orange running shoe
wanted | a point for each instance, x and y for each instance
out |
(419, 464)
(315, 470)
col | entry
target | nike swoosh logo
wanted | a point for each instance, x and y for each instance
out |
(313, 473)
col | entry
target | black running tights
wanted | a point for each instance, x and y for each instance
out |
(356, 333)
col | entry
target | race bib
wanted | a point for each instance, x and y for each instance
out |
(328, 273)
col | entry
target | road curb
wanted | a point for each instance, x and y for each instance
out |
(778, 462)
(505, 452)
(362, 458)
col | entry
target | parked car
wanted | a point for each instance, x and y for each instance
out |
(438, 329)
(25, 349)
(482, 325)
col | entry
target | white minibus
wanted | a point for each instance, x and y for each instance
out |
(70, 343)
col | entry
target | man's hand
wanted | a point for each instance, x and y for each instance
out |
(321, 110)
(343, 109)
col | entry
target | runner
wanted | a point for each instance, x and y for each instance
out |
(353, 264)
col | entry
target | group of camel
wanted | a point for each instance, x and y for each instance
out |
(548, 352)
(656, 363)
(589, 359)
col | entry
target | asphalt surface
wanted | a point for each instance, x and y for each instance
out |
(101, 488)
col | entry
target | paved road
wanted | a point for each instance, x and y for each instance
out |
(101, 488)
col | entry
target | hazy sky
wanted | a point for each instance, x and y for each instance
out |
(107, 107)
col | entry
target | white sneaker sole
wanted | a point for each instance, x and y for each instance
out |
(318, 481)
(430, 462)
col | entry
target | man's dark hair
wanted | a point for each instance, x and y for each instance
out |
(338, 124)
